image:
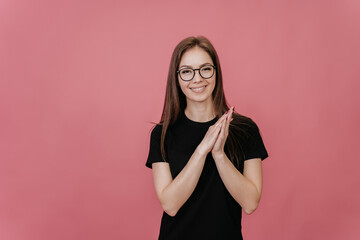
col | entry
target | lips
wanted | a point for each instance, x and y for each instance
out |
(198, 89)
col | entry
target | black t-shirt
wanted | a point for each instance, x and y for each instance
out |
(210, 212)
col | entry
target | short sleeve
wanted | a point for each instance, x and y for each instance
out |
(254, 146)
(154, 150)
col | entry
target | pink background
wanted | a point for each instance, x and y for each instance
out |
(81, 80)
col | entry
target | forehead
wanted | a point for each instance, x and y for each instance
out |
(194, 57)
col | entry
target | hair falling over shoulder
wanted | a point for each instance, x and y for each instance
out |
(175, 100)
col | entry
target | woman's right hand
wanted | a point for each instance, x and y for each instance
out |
(211, 135)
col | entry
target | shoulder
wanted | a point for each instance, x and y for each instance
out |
(245, 129)
(157, 127)
(243, 123)
(156, 130)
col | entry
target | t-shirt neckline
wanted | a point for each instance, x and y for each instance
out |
(197, 124)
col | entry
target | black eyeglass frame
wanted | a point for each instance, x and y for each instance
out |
(178, 71)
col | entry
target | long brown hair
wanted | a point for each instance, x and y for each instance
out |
(175, 100)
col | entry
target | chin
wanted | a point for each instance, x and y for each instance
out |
(198, 99)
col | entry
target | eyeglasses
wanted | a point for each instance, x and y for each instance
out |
(187, 74)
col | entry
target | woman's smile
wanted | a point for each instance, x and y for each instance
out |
(199, 89)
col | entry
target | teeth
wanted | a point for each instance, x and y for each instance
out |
(198, 88)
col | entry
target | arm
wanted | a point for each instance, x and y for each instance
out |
(172, 194)
(245, 189)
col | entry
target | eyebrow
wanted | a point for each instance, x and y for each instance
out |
(199, 66)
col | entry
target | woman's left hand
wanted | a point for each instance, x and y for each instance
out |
(218, 148)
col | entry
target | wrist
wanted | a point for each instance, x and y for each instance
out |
(218, 156)
(201, 152)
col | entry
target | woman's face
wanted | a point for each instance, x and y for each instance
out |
(198, 89)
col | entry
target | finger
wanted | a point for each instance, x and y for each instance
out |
(231, 110)
(228, 124)
(217, 127)
(223, 128)
(229, 119)
(216, 132)
(218, 123)
(221, 118)
(221, 135)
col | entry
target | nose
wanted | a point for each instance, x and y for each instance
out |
(197, 77)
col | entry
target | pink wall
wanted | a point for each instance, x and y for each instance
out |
(80, 80)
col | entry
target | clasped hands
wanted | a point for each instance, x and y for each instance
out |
(215, 138)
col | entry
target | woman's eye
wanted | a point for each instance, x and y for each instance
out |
(185, 71)
(207, 69)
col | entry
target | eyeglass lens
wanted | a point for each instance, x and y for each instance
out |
(187, 73)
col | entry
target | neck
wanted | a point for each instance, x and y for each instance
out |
(200, 112)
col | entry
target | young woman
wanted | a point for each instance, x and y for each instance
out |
(206, 159)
